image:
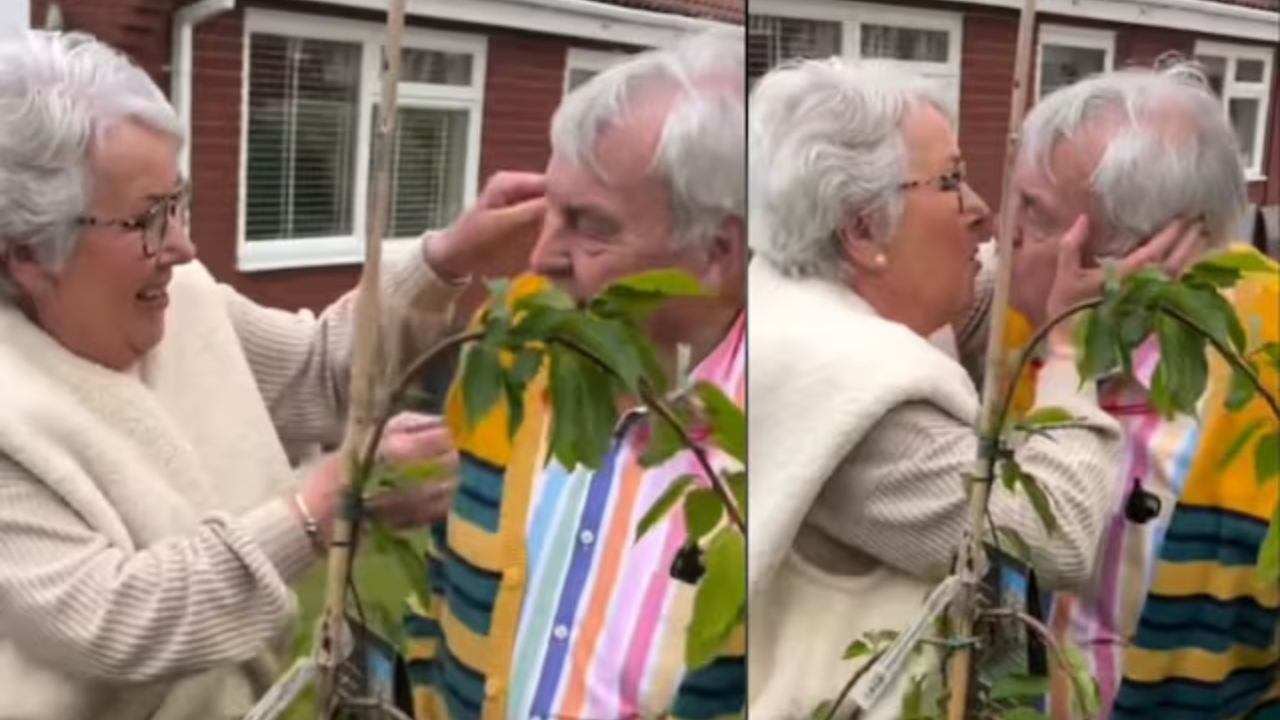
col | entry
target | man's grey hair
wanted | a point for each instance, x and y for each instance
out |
(826, 147)
(60, 93)
(701, 151)
(1170, 152)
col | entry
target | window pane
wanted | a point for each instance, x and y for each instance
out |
(1215, 70)
(1244, 119)
(578, 76)
(1062, 65)
(301, 138)
(895, 43)
(436, 68)
(772, 40)
(429, 172)
(1249, 71)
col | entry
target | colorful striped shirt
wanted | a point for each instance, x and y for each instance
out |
(1175, 624)
(604, 621)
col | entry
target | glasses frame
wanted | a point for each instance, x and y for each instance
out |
(152, 224)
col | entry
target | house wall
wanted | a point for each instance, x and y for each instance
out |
(524, 83)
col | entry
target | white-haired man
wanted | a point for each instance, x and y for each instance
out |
(1175, 623)
(546, 605)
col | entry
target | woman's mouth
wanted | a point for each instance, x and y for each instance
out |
(153, 299)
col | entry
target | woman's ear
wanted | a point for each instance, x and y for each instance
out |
(862, 251)
(726, 259)
(26, 272)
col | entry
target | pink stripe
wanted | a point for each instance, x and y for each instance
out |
(651, 612)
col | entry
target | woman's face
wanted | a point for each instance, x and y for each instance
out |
(931, 263)
(108, 302)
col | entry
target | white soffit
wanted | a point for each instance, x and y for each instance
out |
(1203, 17)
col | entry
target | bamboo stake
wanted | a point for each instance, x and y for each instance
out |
(960, 666)
(364, 406)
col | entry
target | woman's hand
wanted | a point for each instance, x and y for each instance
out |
(1171, 249)
(410, 439)
(494, 237)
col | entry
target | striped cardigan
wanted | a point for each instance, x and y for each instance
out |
(459, 649)
(1175, 623)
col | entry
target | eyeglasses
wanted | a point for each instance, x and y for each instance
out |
(152, 225)
(953, 181)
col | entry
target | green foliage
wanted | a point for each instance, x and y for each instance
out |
(598, 358)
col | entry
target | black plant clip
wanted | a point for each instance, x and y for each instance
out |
(687, 566)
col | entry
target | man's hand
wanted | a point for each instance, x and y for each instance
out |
(411, 439)
(495, 237)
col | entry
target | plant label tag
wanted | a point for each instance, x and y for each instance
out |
(284, 692)
(871, 687)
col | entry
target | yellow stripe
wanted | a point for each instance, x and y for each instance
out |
(467, 647)
(1217, 581)
(428, 705)
(1194, 664)
(481, 548)
(426, 649)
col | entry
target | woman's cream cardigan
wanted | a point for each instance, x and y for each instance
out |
(859, 432)
(146, 544)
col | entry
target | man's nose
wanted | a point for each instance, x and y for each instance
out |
(550, 256)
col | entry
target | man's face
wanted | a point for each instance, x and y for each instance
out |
(601, 229)
(1044, 210)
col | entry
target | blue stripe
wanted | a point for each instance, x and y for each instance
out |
(479, 494)
(1269, 710)
(1200, 534)
(463, 688)
(716, 690)
(1201, 621)
(420, 628)
(1185, 699)
(575, 582)
(423, 673)
(470, 593)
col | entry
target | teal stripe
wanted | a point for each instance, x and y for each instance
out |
(474, 500)
(716, 690)
(559, 498)
(1184, 699)
(470, 593)
(1200, 534)
(1204, 622)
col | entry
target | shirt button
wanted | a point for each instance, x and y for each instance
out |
(560, 632)
(586, 537)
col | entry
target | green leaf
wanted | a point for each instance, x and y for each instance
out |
(1271, 353)
(499, 288)
(1266, 458)
(1019, 687)
(913, 699)
(515, 405)
(1084, 688)
(482, 382)
(702, 512)
(411, 564)
(1012, 544)
(527, 363)
(1023, 713)
(1241, 391)
(583, 414)
(1183, 367)
(418, 473)
(1098, 343)
(1246, 262)
(1269, 555)
(728, 423)
(1010, 475)
(737, 482)
(858, 648)
(1239, 443)
(668, 283)
(663, 505)
(719, 603)
(1013, 476)
(663, 442)
(822, 711)
(1208, 310)
(1211, 275)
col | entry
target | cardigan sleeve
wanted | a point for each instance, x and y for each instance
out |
(77, 602)
(301, 361)
(900, 497)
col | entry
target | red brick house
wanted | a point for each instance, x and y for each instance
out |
(280, 99)
(969, 45)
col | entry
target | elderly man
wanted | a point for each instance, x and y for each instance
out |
(546, 606)
(1174, 623)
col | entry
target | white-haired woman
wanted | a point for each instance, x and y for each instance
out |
(861, 430)
(150, 522)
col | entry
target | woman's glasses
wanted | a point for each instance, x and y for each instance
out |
(152, 225)
(953, 181)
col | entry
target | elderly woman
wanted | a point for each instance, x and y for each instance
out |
(861, 429)
(150, 522)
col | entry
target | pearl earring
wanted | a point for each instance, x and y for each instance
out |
(880, 260)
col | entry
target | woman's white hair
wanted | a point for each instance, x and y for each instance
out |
(701, 152)
(60, 93)
(1169, 152)
(826, 146)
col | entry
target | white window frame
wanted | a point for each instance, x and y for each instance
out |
(591, 60)
(853, 16)
(1231, 88)
(1074, 37)
(266, 255)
